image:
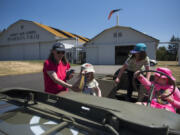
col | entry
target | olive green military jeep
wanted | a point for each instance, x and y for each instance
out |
(28, 112)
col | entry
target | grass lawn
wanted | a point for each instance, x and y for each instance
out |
(173, 65)
(21, 67)
(33, 66)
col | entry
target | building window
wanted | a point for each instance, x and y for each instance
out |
(115, 35)
(119, 34)
(22, 27)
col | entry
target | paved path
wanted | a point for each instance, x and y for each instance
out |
(32, 81)
(35, 80)
(101, 69)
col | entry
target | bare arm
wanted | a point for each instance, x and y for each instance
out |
(148, 73)
(98, 91)
(144, 81)
(55, 78)
(75, 86)
(120, 73)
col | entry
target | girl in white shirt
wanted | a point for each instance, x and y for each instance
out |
(86, 82)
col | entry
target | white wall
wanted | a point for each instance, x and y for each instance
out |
(128, 37)
(31, 51)
(25, 32)
(106, 55)
(101, 55)
(92, 55)
(45, 49)
(106, 43)
(15, 52)
(25, 40)
(20, 52)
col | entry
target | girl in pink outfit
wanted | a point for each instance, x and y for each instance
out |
(163, 86)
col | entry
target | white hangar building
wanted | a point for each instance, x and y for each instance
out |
(112, 46)
(28, 40)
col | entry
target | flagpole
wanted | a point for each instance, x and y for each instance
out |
(117, 19)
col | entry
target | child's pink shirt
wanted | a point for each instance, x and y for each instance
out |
(175, 95)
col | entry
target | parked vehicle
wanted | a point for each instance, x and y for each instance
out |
(153, 62)
(28, 112)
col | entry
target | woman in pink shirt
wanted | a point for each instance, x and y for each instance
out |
(54, 70)
(163, 86)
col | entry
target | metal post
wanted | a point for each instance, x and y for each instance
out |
(72, 55)
(117, 19)
(178, 53)
(76, 51)
(150, 95)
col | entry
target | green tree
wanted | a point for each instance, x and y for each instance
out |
(161, 54)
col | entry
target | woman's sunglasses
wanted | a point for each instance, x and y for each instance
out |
(60, 52)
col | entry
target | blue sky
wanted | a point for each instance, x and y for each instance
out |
(157, 18)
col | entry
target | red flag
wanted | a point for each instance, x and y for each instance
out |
(113, 11)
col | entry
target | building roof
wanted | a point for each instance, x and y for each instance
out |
(56, 32)
(121, 27)
(62, 33)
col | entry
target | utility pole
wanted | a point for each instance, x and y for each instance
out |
(178, 52)
(76, 49)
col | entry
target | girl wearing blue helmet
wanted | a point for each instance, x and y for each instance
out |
(138, 60)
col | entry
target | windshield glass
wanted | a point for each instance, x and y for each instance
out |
(21, 120)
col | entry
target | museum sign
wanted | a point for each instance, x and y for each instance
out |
(29, 35)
